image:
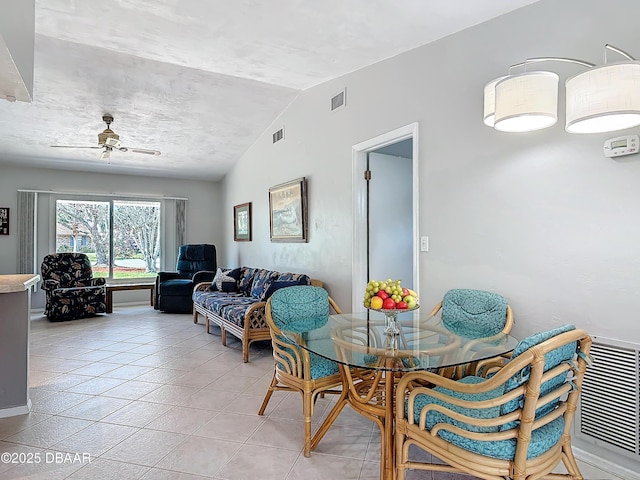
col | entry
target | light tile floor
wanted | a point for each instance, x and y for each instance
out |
(150, 395)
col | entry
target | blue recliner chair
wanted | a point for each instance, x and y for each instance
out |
(196, 263)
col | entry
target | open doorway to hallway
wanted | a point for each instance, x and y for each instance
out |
(385, 209)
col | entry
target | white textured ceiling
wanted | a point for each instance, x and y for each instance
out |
(199, 80)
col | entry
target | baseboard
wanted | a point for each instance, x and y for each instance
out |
(13, 411)
(605, 465)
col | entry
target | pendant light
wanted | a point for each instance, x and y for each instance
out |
(600, 99)
(526, 102)
(604, 99)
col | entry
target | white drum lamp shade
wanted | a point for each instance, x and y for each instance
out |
(490, 102)
(526, 102)
(603, 99)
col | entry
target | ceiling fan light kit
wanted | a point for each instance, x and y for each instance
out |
(108, 140)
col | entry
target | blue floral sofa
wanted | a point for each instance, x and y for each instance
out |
(71, 290)
(236, 298)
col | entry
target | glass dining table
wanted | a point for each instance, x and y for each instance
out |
(373, 351)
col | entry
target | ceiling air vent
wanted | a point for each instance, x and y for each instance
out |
(279, 135)
(339, 100)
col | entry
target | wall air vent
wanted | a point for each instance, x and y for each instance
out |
(278, 135)
(609, 410)
(339, 100)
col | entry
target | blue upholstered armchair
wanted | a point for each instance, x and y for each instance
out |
(71, 290)
(196, 263)
(516, 423)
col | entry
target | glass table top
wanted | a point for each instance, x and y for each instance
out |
(422, 342)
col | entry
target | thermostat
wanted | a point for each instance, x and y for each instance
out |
(616, 147)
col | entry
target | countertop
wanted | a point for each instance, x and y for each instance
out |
(17, 283)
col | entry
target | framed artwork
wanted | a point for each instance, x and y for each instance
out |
(288, 211)
(242, 222)
(4, 221)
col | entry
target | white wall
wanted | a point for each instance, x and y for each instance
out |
(204, 208)
(542, 217)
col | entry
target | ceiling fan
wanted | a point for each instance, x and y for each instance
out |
(109, 141)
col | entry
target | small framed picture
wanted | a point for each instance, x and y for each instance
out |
(288, 211)
(4, 221)
(242, 222)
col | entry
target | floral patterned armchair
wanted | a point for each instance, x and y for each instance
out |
(72, 292)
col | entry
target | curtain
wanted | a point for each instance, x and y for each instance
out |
(181, 222)
(26, 232)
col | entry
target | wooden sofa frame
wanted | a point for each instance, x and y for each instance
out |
(253, 330)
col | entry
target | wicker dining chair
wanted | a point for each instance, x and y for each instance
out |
(473, 314)
(514, 424)
(297, 369)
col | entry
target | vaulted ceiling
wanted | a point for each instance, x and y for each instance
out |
(199, 80)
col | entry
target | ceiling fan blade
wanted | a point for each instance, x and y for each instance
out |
(106, 154)
(140, 150)
(73, 146)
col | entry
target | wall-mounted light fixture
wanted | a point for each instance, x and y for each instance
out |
(601, 99)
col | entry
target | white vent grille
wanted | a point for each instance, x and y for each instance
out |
(339, 100)
(609, 411)
(279, 135)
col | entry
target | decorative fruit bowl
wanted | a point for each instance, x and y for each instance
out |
(390, 298)
(389, 295)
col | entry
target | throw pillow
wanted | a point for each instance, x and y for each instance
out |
(225, 276)
(277, 285)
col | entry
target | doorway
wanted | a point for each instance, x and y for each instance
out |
(385, 209)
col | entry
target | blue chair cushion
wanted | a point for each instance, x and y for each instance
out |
(473, 313)
(320, 366)
(551, 359)
(299, 304)
(542, 439)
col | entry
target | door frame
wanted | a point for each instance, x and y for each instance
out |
(359, 254)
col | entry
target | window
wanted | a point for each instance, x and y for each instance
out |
(121, 237)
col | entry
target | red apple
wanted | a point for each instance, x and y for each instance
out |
(405, 292)
(402, 305)
(389, 303)
(382, 294)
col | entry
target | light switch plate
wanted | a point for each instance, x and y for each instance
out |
(424, 244)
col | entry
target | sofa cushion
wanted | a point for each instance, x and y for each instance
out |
(215, 302)
(261, 281)
(235, 312)
(246, 280)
